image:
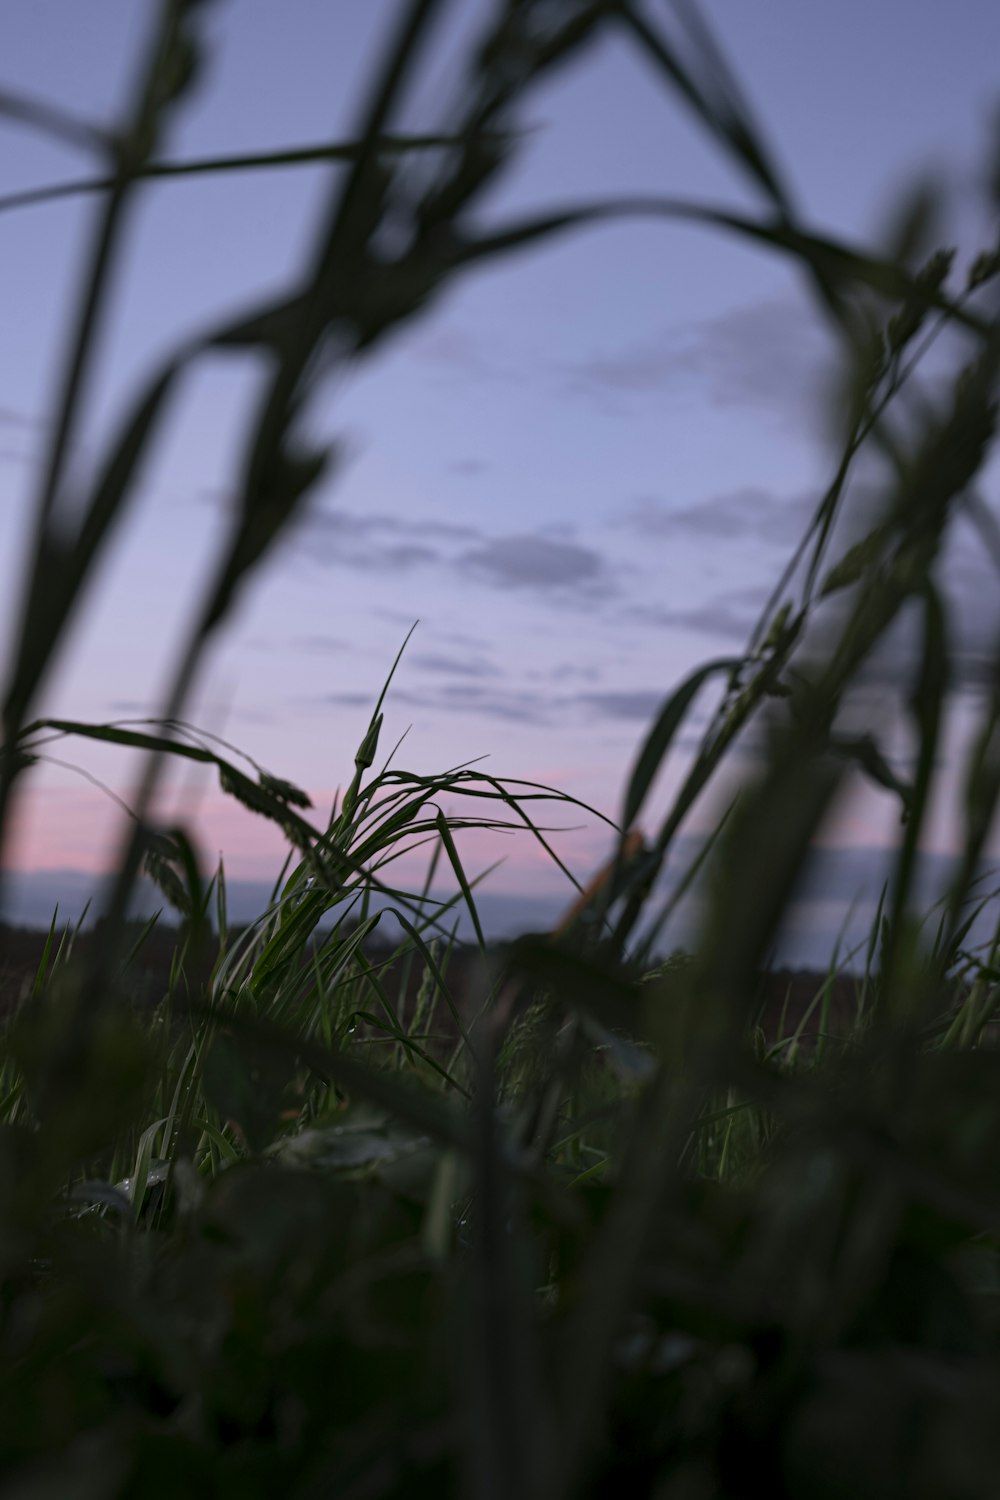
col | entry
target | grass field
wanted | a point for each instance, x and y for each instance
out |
(309, 1217)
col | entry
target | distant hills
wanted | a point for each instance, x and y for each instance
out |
(837, 895)
(30, 898)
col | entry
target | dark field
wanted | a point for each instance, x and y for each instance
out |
(781, 1001)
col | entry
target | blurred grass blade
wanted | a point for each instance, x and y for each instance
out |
(644, 949)
(51, 119)
(660, 737)
(260, 161)
(844, 266)
(927, 705)
(722, 110)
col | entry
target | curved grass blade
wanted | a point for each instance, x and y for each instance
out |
(660, 737)
(726, 114)
(59, 570)
(51, 119)
(259, 161)
(842, 264)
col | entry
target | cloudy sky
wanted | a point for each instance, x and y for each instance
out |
(580, 471)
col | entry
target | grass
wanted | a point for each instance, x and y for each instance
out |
(319, 1222)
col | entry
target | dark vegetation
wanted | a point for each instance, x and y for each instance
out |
(784, 1001)
(298, 1223)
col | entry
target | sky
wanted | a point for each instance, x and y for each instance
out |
(580, 471)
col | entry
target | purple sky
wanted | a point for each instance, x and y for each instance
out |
(580, 471)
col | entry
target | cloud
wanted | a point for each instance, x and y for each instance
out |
(539, 563)
(370, 555)
(398, 559)
(19, 431)
(538, 708)
(19, 420)
(767, 355)
(476, 643)
(372, 541)
(320, 645)
(531, 561)
(343, 700)
(716, 617)
(460, 353)
(566, 671)
(516, 706)
(520, 705)
(637, 705)
(634, 704)
(378, 542)
(253, 716)
(395, 616)
(456, 666)
(136, 706)
(748, 513)
(731, 614)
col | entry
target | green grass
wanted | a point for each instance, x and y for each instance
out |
(322, 1222)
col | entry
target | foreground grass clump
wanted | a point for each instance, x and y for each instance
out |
(322, 1221)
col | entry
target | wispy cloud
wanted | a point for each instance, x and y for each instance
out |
(20, 421)
(522, 705)
(717, 617)
(401, 558)
(343, 525)
(551, 565)
(465, 354)
(516, 705)
(136, 706)
(476, 643)
(568, 671)
(394, 616)
(18, 436)
(378, 542)
(454, 666)
(320, 645)
(343, 700)
(540, 563)
(730, 614)
(766, 355)
(640, 704)
(466, 697)
(748, 513)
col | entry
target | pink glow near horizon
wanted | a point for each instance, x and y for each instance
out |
(65, 827)
(79, 828)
